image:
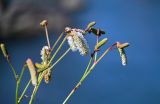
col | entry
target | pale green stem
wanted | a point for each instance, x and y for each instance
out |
(36, 87)
(60, 46)
(79, 83)
(24, 91)
(103, 54)
(54, 45)
(13, 70)
(59, 59)
(85, 75)
(70, 94)
(18, 83)
(41, 76)
(47, 36)
(100, 58)
(17, 87)
(22, 72)
(87, 67)
(64, 54)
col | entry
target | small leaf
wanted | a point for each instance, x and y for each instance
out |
(101, 43)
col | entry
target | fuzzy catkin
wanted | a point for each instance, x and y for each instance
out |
(78, 42)
(32, 71)
(123, 56)
(45, 54)
(71, 43)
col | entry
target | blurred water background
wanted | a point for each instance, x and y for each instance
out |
(133, 21)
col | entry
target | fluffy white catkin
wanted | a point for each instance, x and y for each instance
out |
(78, 42)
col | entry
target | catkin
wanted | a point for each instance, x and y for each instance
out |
(47, 76)
(71, 43)
(76, 41)
(4, 50)
(80, 43)
(32, 71)
(101, 43)
(45, 54)
(91, 24)
(123, 56)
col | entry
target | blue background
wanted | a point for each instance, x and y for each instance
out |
(133, 21)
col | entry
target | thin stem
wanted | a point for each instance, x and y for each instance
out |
(88, 66)
(47, 36)
(13, 70)
(41, 77)
(36, 88)
(33, 94)
(54, 45)
(59, 59)
(70, 94)
(79, 83)
(18, 83)
(22, 72)
(60, 46)
(86, 74)
(24, 91)
(64, 54)
(104, 54)
(89, 71)
(17, 87)
(100, 58)
(95, 56)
